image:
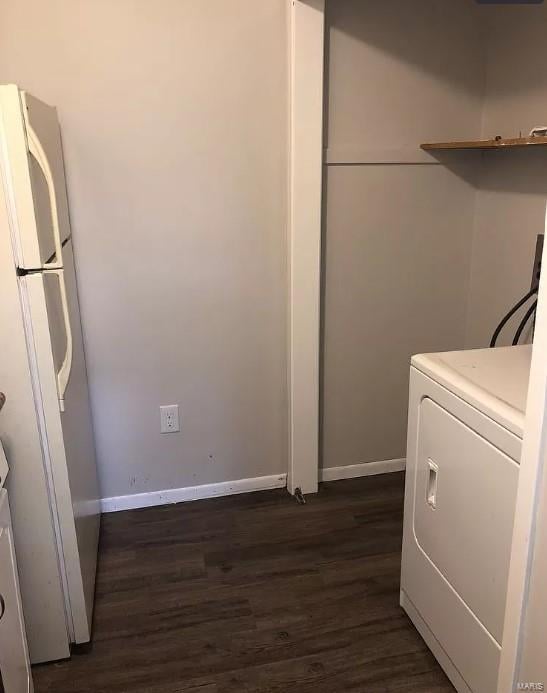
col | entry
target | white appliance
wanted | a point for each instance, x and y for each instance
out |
(466, 418)
(14, 660)
(46, 422)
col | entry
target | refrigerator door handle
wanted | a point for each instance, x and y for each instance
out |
(37, 151)
(63, 376)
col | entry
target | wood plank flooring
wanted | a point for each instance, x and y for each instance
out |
(254, 593)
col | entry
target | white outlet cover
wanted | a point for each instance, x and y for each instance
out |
(169, 418)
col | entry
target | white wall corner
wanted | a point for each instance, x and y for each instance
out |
(307, 20)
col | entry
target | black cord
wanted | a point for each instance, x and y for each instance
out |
(510, 314)
(523, 322)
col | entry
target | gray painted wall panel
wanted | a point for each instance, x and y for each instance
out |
(174, 122)
(397, 255)
(397, 237)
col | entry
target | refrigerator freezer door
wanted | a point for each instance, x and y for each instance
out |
(20, 431)
(69, 433)
(33, 174)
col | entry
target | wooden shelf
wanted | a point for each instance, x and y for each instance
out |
(499, 143)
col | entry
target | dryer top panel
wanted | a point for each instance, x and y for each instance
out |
(495, 381)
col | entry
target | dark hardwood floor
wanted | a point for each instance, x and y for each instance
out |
(254, 593)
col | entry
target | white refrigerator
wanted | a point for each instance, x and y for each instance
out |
(46, 426)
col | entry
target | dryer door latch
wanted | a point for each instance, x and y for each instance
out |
(431, 489)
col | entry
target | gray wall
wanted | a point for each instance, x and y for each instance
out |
(511, 194)
(175, 132)
(401, 73)
(174, 126)
(397, 235)
(422, 256)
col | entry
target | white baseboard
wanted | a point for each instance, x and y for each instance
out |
(352, 471)
(191, 493)
(229, 488)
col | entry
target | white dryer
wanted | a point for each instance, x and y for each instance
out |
(466, 418)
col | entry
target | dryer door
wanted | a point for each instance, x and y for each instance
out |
(464, 506)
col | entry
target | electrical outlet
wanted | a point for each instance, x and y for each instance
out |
(169, 418)
(536, 272)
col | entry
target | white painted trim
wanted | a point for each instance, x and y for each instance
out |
(531, 479)
(354, 156)
(352, 471)
(191, 493)
(307, 18)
